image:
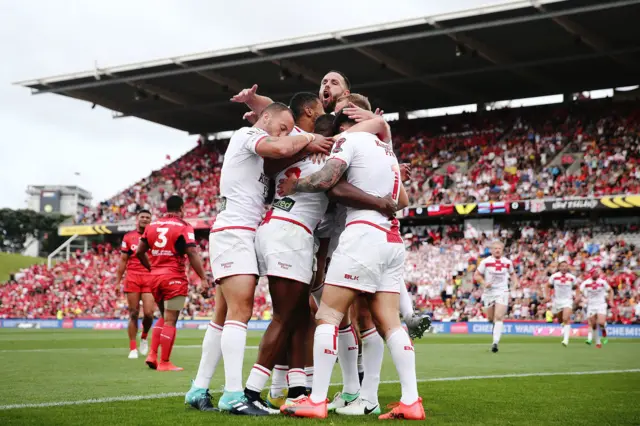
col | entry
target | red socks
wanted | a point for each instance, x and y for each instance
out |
(132, 345)
(143, 336)
(603, 331)
(167, 337)
(155, 335)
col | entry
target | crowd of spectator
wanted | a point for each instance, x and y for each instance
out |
(438, 271)
(589, 149)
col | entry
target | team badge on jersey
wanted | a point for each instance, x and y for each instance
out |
(337, 146)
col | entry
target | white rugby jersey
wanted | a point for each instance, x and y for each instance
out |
(372, 167)
(243, 184)
(596, 291)
(496, 272)
(304, 207)
(562, 285)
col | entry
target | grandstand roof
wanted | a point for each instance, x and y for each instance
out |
(507, 51)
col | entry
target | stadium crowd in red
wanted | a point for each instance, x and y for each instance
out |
(543, 152)
(438, 272)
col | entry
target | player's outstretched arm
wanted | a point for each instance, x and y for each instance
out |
(514, 280)
(351, 196)
(273, 166)
(141, 253)
(368, 121)
(320, 181)
(196, 263)
(288, 146)
(477, 276)
(257, 103)
(122, 265)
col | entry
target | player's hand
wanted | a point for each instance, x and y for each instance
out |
(388, 206)
(251, 117)
(286, 186)
(488, 286)
(358, 114)
(405, 171)
(318, 158)
(379, 111)
(320, 145)
(245, 95)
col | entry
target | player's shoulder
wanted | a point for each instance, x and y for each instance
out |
(297, 131)
(506, 260)
(247, 132)
(487, 260)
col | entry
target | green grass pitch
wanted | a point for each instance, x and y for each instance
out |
(50, 376)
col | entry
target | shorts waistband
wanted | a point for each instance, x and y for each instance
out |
(269, 216)
(225, 228)
(393, 234)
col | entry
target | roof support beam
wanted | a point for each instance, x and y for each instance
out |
(225, 82)
(402, 68)
(326, 49)
(591, 39)
(494, 56)
(293, 67)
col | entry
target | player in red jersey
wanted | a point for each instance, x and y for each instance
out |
(136, 285)
(169, 239)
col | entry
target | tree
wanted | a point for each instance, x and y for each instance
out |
(18, 225)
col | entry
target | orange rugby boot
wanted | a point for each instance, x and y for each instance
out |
(152, 360)
(402, 411)
(168, 366)
(304, 407)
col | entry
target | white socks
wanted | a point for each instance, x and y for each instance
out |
(279, 380)
(348, 359)
(211, 353)
(297, 378)
(325, 352)
(566, 332)
(597, 334)
(308, 371)
(404, 358)
(590, 335)
(497, 331)
(233, 341)
(372, 354)
(258, 378)
(406, 304)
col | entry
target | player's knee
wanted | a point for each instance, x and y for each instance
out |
(329, 315)
(134, 315)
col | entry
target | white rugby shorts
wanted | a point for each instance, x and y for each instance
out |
(596, 310)
(491, 297)
(366, 261)
(559, 305)
(232, 252)
(285, 249)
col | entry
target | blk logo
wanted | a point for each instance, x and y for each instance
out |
(351, 277)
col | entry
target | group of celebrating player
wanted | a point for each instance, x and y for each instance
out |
(330, 247)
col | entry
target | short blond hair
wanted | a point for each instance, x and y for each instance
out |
(357, 99)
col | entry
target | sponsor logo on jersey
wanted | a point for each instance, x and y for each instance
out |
(284, 265)
(226, 265)
(351, 277)
(285, 204)
(337, 146)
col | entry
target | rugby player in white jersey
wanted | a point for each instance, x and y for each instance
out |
(369, 259)
(563, 284)
(597, 292)
(494, 274)
(243, 188)
(285, 249)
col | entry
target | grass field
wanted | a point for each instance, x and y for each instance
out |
(78, 377)
(10, 263)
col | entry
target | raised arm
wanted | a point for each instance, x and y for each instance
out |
(282, 147)
(255, 102)
(369, 122)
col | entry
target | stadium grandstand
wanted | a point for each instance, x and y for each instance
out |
(559, 176)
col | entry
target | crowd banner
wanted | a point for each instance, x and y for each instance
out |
(521, 328)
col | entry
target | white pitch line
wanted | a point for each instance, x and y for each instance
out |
(383, 382)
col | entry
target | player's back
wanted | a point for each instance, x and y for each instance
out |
(243, 184)
(373, 168)
(168, 239)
